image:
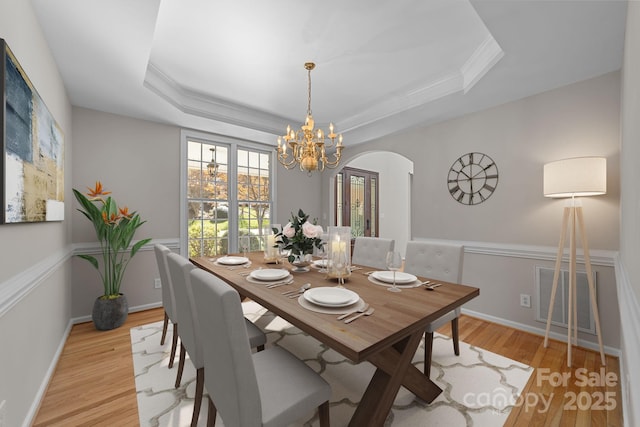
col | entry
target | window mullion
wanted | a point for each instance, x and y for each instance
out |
(233, 199)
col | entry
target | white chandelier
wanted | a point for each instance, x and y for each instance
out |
(308, 145)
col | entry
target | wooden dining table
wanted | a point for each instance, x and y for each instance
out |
(388, 338)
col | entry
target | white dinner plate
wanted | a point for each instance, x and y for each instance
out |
(331, 297)
(232, 260)
(387, 276)
(269, 274)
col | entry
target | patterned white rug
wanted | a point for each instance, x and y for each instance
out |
(480, 387)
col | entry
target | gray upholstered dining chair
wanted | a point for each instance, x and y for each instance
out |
(271, 388)
(192, 333)
(168, 300)
(372, 251)
(438, 261)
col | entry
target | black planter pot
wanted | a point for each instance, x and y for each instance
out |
(110, 313)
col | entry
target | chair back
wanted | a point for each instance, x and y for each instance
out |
(168, 298)
(179, 269)
(439, 261)
(372, 251)
(230, 376)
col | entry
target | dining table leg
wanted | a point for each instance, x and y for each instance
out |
(392, 365)
(414, 379)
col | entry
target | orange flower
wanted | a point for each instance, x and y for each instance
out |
(125, 212)
(111, 219)
(97, 192)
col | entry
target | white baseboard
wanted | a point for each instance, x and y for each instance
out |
(83, 319)
(35, 405)
(539, 331)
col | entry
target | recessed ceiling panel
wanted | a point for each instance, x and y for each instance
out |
(253, 52)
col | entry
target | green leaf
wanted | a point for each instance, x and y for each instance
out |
(92, 260)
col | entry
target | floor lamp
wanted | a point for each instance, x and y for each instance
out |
(571, 178)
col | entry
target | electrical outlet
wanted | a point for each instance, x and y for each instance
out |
(3, 413)
(157, 284)
(525, 300)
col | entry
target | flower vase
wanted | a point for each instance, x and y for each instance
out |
(301, 263)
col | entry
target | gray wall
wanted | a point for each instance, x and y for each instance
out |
(42, 290)
(629, 270)
(139, 161)
(517, 229)
(35, 271)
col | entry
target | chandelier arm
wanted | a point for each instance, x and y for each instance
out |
(286, 164)
(337, 155)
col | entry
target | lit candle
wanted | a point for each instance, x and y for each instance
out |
(335, 245)
(271, 242)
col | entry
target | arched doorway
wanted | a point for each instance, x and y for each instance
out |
(394, 182)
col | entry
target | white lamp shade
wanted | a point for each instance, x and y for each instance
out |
(579, 176)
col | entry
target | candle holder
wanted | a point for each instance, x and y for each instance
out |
(271, 252)
(339, 253)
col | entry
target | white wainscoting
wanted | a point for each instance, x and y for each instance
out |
(630, 348)
(13, 290)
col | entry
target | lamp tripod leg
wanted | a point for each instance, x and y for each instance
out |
(592, 290)
(556, 274)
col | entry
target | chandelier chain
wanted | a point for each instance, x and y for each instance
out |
(309, 92)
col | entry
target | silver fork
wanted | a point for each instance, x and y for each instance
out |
(284, 282)
(361, 310)
(366, 313)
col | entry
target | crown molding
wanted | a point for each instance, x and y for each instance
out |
(481, 61)
(209, 107)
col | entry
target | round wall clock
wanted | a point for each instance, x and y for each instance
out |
(473, 178)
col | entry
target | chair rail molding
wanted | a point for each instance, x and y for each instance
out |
(93, 248)
(13, 290)
(543, 253)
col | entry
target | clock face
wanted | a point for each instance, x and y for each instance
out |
(472, 178)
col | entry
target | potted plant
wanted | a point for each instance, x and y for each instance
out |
(115, 228)
(299, 236)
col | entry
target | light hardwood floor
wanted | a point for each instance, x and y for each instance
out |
(93, 384)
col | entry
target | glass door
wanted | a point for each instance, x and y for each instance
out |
(357, 201)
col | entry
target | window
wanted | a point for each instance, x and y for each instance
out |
(227, 207)
(253, 196)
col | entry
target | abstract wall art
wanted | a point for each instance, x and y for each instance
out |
(32, 167)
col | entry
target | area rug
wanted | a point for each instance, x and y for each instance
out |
(479, 387)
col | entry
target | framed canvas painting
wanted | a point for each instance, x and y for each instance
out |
(32, 167)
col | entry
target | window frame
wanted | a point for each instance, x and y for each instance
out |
(233, 145)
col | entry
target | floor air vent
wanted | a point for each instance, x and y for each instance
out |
(544, 283)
